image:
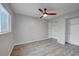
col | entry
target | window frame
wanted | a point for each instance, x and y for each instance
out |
(8, 21)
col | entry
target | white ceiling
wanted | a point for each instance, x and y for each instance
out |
(31, 9)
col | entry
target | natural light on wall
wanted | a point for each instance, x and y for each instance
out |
(5, 20)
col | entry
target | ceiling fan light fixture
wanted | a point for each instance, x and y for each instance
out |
(45, 15)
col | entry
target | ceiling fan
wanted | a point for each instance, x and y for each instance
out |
(45, 13)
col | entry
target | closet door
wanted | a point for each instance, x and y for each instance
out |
(74, 31)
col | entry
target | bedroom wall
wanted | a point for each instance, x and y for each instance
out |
(30, 29)
(57, 30)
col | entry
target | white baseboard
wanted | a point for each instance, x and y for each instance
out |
(63, 43)
(11, 49)
(73, 43)
(29, 41)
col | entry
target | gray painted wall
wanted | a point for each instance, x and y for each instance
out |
(57, 30)
(30, 29)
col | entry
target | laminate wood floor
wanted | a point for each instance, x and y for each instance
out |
(48, 47)
(71, 50)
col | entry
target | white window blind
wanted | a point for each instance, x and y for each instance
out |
(5, 20)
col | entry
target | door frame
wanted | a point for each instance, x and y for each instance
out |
(67, 30)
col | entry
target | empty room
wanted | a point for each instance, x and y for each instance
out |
(39, 29)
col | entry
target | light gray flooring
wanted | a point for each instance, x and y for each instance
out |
(48, 47)
(71, 50)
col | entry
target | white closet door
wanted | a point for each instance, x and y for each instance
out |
(74, 31)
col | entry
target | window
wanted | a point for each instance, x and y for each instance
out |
(5, 20)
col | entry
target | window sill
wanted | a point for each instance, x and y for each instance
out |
(4, 33)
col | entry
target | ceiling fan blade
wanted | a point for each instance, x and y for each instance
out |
(51, 13)
(40, 10)
(41, 16)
